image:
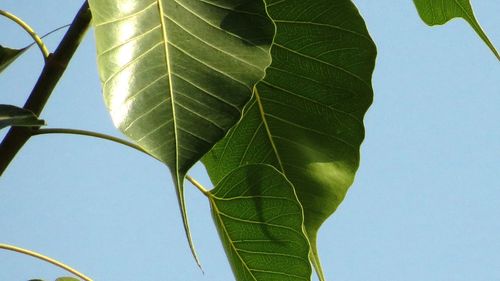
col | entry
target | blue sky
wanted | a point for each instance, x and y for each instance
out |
(425, 204)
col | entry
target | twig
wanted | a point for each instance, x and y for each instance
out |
(44, 258)
(88, 134)
(30, 31)
(198, 186)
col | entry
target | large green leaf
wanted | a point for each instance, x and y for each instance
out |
(8, 55)
(15, 116)
(259, 220)
(437, 12)
(176, 74)
(306, 117)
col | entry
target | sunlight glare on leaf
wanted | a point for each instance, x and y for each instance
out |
(176, 75)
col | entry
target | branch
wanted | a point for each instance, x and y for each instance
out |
(51, 73)
(89, 134)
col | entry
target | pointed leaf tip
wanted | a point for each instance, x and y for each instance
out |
(8, 56)
(15, 116)
(433, 12)
(179, 182)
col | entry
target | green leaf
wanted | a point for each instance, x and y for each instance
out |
(8, 55)
(435, 12)
(15, 116)
(259, 220)
(177, 74)
(306, 117)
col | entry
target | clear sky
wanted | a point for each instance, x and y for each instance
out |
(425, 204)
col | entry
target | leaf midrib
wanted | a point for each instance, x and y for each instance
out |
(233, 247)
(236, 250)
(170, 84)
(268, 130)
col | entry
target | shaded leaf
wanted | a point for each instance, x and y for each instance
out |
(306, 117)
(259, 220)
(15, 116)
(434, 12)
(177, 74)
(8, 55)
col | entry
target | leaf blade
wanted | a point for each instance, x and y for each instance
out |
(306, 116)
(259, 219)
(15, 116)
(8, 56)
(177, 74)
(433, 14)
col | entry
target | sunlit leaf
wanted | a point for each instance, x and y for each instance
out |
(306, 118)
(8, 55)
(15, 116)
(177, 74)
(259, 220)
(437, 12)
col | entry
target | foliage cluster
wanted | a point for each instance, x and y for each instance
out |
(269, 95)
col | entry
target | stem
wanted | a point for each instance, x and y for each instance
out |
(55, 30)
(198, 185)
(113, 139)
(30, 31)
(89, 134)
(44, 258)
(51, 73)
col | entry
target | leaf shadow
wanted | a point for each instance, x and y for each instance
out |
(245, 22)
(257, 188)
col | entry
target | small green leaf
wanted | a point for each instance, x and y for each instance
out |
(15, 116)
(438, 12)
(177, 74)
(259, 220)
(306, 117)
(8, 55)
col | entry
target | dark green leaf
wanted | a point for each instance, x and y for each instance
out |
(259, 220)
(434, 12)
(306, 118)
(177, 74)
(8, 55)
(14, 116)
